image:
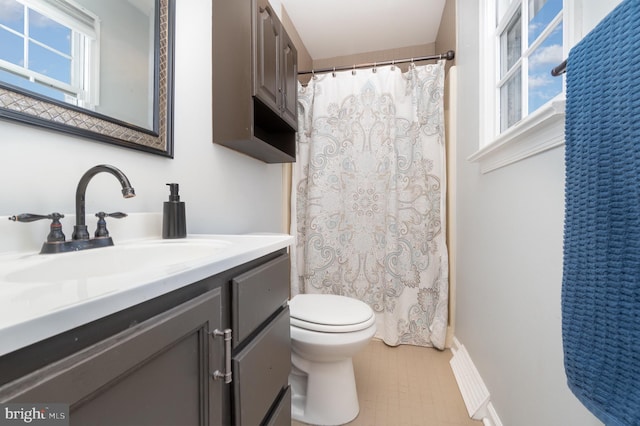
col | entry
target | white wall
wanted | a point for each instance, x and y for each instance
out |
(225, 192)
(509, 265)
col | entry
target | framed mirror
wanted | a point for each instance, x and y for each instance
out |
(98, 69)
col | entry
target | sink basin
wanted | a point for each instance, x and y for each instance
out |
(158, 255)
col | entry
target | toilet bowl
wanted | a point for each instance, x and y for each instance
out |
(326, 332)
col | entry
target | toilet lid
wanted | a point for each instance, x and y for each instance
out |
(330, 313)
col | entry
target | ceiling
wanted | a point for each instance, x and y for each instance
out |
(330, 28)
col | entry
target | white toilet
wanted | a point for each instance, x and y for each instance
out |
(326, 332)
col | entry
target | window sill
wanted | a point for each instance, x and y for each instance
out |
(539, 132)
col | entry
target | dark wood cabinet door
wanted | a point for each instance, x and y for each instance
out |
(266, 84)
(155, 373)
(289, 81)
(261, 371)
(254, 81)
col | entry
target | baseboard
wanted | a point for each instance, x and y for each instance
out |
(474, 392)
(493, 419)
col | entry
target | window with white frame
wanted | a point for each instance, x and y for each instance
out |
(529, 37)
(50, 47)
(521, 104)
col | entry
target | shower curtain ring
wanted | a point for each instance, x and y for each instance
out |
(334, 72)
(393, 65)
(313, 74)
(353, 72)
(374, 67)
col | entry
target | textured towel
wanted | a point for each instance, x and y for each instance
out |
(601, 276)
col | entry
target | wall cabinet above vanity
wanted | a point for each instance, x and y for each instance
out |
(254, 81)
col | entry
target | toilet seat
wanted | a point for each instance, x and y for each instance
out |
(330, 313)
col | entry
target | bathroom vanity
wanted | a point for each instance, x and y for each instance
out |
(204, 341)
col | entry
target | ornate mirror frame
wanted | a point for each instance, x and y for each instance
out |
(33, 109)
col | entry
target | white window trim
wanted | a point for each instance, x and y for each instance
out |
(74, 16)
(538, 132)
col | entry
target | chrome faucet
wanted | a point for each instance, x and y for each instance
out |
(80, 239)
(80, 228)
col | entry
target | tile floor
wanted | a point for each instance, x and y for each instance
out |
(407, 385)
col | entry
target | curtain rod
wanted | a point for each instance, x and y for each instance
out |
(449, 55)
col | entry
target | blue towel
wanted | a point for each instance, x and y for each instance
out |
(601, 274)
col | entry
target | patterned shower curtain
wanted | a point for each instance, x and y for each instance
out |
(368, 197)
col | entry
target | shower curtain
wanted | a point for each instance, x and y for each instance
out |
(368, 197)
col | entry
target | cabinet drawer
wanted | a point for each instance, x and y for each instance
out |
(258, 294)
(281, 414)
(261, 371)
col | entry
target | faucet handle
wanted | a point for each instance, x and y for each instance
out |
(30, 217)
(55, 230)
(115, 215)
(101, 230)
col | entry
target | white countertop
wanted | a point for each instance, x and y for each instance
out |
(34, 309)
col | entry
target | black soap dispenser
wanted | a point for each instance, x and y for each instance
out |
(174, 221)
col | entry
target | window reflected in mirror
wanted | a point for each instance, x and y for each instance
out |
(94, 54)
